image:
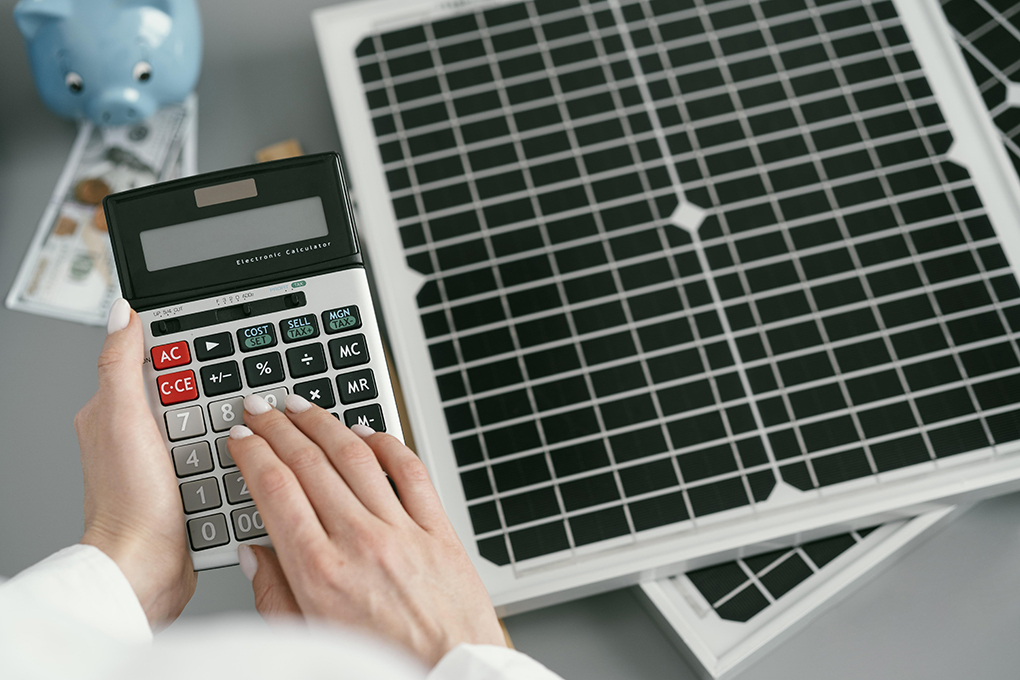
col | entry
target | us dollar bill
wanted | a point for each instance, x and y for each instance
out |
(69, 271)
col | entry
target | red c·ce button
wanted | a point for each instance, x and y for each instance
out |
(177, 387)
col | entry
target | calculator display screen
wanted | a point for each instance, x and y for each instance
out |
(233, 233)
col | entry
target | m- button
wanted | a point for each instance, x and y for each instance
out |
(169, 356)
(175, 388)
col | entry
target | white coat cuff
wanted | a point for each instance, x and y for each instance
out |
(80, 583)
(489, 662)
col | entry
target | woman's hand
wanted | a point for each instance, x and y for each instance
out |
(133, 510)
(347, 549)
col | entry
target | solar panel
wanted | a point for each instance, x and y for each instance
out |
(725, 616)
(680, 276)
(989, 36)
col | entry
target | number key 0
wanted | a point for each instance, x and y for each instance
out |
(208, 532)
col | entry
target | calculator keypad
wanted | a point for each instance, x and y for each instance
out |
(220, 375)
(348, 351)
(220, 379)
(319, 392)
(208, 532)
(306, 360)
(356, 386)
(192, 459)
(184, 423)
(263, 369)
(203, 494)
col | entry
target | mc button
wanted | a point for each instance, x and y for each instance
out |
(175, 388)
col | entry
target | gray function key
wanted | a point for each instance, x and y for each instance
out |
(237, 490)
(225, 414)
(226, 460)
(192, 459)
(184, 423)
(208, 532)
(341, 319)
(356, 386)
(248, 523)
(203, 494)
(350, 350)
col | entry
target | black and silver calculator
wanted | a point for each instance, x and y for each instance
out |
(248, 280)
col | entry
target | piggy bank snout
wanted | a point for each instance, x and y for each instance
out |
(120, 106)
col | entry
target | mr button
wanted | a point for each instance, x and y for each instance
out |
(356, 386)
(177, 387)
(256, 337)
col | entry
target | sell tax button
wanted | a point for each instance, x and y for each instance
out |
(175, 388)
(299, 328)
(169, 356)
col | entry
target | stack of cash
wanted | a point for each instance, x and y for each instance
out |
(68, 272)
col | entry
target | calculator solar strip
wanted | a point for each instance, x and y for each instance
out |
(989, 35)
(742, 589)
(837, 306)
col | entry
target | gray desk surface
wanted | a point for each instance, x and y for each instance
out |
(950, 609)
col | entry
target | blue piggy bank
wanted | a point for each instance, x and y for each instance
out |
(113, 61)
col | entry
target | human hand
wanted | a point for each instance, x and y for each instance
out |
(133, 510)
(347, 549)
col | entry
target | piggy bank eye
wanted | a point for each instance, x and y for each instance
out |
(142, 71)
(74, 82)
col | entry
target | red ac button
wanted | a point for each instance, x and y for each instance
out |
(168, 356)
(177, 387)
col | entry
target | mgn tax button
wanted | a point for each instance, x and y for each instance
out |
(341, 319)
(299, 328)
(169, 356)
(175, 388)
(256, 337)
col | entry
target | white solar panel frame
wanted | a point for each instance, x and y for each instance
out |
(719, 650)
(663, 551)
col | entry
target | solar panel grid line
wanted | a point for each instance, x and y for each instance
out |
(630, 324)
(954, 204)
(435, 263)
(642, 83)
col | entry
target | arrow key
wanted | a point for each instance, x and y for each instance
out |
(214, 346)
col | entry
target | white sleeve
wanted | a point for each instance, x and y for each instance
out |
(489, 662)
(68, 616)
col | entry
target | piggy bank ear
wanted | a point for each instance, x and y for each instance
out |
(31, 15)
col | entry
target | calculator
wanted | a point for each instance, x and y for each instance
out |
(248, 280)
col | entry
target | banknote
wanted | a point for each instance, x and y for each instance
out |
(68, 271)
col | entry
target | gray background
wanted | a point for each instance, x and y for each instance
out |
(950, 609)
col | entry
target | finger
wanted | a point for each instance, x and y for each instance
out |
(290, 520)
(410, 476)
(120, 362)
(273, 596)
(355, 461)
(333, 501)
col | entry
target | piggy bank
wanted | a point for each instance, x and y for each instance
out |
(112, 61)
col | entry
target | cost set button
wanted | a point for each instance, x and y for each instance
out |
(256, 337)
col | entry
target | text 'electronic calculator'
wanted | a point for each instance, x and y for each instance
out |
(247, 281)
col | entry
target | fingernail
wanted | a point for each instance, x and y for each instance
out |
(256, 405)
(120, 315)
(240, 432)
(247, 560)
(296, 403)
(362, 430)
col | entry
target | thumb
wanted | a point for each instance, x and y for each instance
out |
(273, 596)
(120, 362)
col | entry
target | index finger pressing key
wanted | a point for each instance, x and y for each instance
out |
(290, 520)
